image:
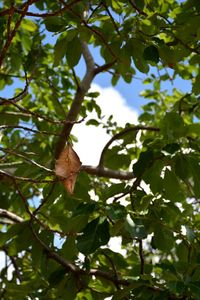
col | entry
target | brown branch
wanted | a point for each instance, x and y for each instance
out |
(37, 115)
(141, 254)
(14, 263)
(104, 172)
(78, 99)
(26, 159)
(9, 175)
(73, 268)
(9, 215)
(14, 31)
(121, 134)
(113, 267)
(41, 15)
(104, 67)
(17, 98)
(111, 17)
(2, 127)
(70, 267)
(95, 31)
(133, 4)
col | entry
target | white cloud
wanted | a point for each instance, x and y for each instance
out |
(91, 139)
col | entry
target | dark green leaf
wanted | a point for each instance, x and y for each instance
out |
(151, 54)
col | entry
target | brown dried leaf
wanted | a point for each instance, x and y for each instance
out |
(67, 166)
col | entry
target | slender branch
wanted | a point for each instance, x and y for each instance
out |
(73, 268)
(78, 99)
(141, 254)
(13, 33)
(27, 159)
(104, 172)
(113, 267)
(111, 17)
(141, 12)
(33, 217)
(28, 179)
(17, 98)
(14, 263)
(41, 15)
(95, 31)
(63, 262)
(104, 67)
(44, 200)
(2, 127)
(37, 115)
(9, 215)
(121, 134)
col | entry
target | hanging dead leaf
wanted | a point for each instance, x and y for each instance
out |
(67, 167)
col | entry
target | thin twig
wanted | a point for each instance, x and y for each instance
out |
(19, 178)
(37, 115)
(141, 254)
(27, 159)
(141, 12)
(111, 17)
(14, 31)
(113, 267)
(121, 134)
(2, 127)
(14, 263)
(41, 15)
(17, 98)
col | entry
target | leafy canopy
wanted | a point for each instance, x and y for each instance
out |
(57, 243)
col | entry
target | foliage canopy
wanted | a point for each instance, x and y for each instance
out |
(58, 242)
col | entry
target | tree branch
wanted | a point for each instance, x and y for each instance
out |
(141, 254)
(17, 98)
(2, 127)
(9, 175)
(13, 33)
(121, 134)
(78, 99)
(26, 159)
(105, 172)
(9, 215)
(42, 15)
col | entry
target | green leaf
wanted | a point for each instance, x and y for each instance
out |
(54, 24)
(61, 45)
(122, 161)
(113, 190)
(135, 228)
(172, 187)
(95, 234)
(144, 161)
(172, 126)
(163, 239)
(73, 53)
(195, 171)
(182, 167)
(60, 50)
(28, 25)
(194, 129)
(74, 224)
(69, 250)
(92, 122)
(151, 54)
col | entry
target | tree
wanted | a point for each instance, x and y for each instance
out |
(154, 166)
